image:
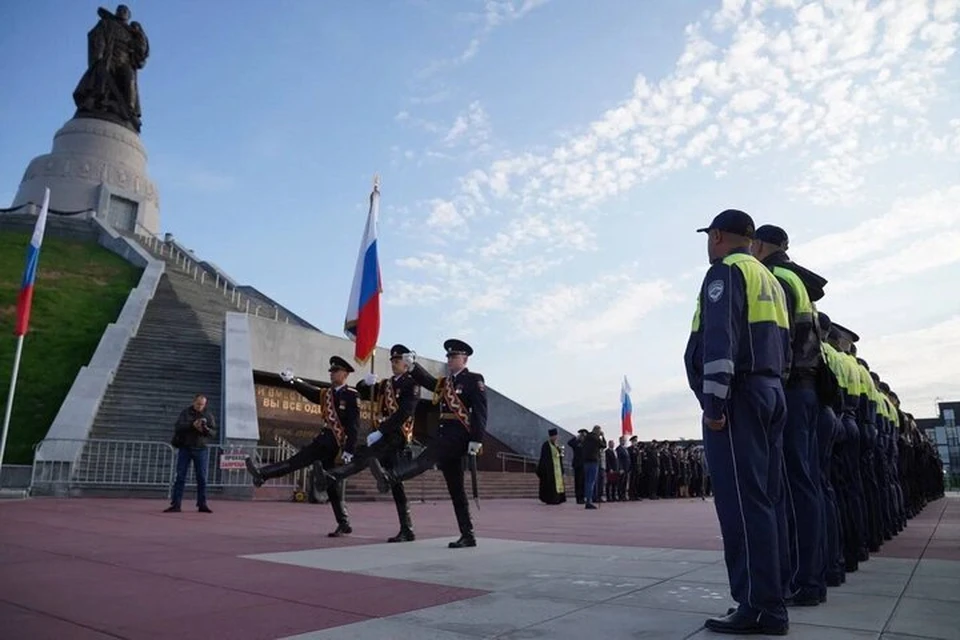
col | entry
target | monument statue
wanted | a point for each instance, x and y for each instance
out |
(116, 50)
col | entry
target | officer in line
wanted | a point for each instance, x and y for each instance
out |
(462, 397)
(393, 404)
(736, 359)
(803, 504)
(855, 537)
(340, 410)
(828, 431)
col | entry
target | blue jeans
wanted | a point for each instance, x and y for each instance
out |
(197, 455)
(590, 480)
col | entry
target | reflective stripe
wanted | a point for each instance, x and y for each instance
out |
(696, 318)
(804, 308)
(716, 389)
(718, 366)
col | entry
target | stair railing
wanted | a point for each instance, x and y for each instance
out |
(187, 264)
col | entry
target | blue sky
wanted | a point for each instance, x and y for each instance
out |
(544, 164)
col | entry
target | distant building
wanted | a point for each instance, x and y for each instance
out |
(943, 433)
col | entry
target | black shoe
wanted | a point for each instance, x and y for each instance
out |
(834, 581)
(738, 623)
(254, 472)
(341, 530)
(405, 535)
(590, 505)
(804, 600)
(204, 509)
(464, 541)
(172, 509)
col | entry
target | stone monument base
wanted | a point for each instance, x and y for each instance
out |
(95, 165)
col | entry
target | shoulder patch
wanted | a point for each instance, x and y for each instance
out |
(715, 290)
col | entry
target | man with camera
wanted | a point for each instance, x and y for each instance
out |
(193, 429)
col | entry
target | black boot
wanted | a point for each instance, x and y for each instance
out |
(467, 539)
(335, 493)
(322, 477)
(264, 473)
(404, 470)
(403, 512)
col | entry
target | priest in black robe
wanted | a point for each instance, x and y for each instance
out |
(550, 471)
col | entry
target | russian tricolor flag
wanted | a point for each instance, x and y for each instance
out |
(25, 299)
(362, 324)
(626, 408)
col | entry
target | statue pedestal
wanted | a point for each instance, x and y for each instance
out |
(95, 165)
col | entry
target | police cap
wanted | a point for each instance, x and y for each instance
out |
(336, 362)
(583, 431)
(863, 363)
(772, 235)
(732, 221)
(552, 431)
(397, 351)
(455, 347)
(884, 387)
(843, 332)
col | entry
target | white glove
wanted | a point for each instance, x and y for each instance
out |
(373, 437)
(370, 379)
(286, 375)
(473, 448)
(410, 358)
(347, 457)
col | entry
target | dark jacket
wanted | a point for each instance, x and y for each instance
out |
(592, 446)
(577, 445)
(186, 436)
(613, 463)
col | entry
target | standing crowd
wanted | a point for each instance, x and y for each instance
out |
(629, 471)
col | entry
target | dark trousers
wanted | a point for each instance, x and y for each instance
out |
(578, 482)
(622, 485)
(745, 461)
(833, 560)
(591, 470)
(857, 541)
(198, 456)
(802, 472)
(323, 449)
(387, 450)
(446, 452)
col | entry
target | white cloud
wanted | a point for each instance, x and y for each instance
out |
(472, 127)
(920, 219)
(828, 82)
(589, 316)
(444, 216)
(913, 364)
(495, 14)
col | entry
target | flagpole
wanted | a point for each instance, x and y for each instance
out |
(13, 389)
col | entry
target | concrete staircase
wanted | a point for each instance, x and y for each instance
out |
(175, 354)
(430, 487)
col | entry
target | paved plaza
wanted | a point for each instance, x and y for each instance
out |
(100, 568)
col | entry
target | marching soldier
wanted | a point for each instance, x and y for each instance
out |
(337, 438)
(394, 403)
(462, 397)
(737, 355)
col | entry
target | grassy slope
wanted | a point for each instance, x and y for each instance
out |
(80, 289)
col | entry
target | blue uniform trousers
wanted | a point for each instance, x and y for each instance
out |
(803, 484)
(856, 537)
(833, 559)
(745, 461)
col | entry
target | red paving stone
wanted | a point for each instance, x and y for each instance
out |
(99, 568)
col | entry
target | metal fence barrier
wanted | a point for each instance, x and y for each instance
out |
(61, 465)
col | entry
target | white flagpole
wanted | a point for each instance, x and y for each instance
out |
(13, 389)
